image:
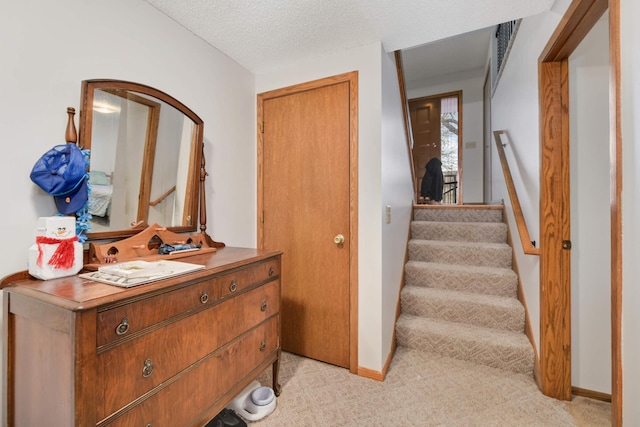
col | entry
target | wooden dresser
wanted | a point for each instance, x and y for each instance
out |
(168, 353)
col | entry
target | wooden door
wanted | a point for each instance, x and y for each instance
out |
(425, 125)
(305, 193)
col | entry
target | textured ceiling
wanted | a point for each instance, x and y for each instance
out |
(262, 35)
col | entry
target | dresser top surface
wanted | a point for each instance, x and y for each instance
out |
(76, 293)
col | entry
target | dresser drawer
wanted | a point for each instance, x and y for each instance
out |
(125, 320)
(190, 395)
(122, 321)
(239, 280)
(133, 368)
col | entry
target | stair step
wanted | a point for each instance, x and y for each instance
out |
(488, 311)
(457, 214)
(499, 349)
(465, 253)
(465, 278)
(490, 232)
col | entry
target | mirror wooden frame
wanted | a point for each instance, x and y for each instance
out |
(195, 185)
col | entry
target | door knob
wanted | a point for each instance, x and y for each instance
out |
(339, 239)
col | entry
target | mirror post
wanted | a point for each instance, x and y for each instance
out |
(203, 205)
(203, 198)
(71, 135)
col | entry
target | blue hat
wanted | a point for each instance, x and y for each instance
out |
(61, 172)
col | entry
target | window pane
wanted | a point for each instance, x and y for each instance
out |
(449, 147)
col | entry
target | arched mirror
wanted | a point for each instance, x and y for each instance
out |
(146, 163)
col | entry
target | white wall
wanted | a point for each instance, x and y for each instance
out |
(514, 108)
(398, 194)
(630, 121)
(590, 216)
(367, 60)
(471, 86)
(50, 47)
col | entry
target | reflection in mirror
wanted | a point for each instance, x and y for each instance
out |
(145, 162)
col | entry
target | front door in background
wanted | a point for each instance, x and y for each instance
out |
(425, 125)
(436, 124)
(306, 214)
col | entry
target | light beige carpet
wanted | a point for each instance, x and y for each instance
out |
(420, 389)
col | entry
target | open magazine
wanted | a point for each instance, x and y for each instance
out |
(133, 273)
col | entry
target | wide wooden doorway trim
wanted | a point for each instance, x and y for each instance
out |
(352, 79)
(555, 315)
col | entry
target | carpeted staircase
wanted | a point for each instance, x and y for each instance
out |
(459, 298)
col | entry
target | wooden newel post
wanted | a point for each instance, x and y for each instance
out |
(71, 135)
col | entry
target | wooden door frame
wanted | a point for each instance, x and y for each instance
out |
(555, 284)
(352, 79)
(457, 93)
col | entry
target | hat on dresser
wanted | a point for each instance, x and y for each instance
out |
(62, 172)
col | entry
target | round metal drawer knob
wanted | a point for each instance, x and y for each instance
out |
(271, 271)
(263, 307)
(233, 287)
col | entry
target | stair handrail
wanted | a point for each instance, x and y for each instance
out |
(407, 119)
(164, 196)
(527, 245)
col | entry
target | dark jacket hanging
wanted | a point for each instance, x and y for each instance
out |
(433, 180)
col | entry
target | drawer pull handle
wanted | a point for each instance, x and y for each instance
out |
(123, 327)
(204, 297)
(271, 271)
(147, 369)
(263, 345)
(233, 286)
(264, 306)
